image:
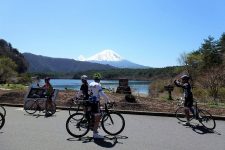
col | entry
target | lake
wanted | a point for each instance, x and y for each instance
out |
(141, 87)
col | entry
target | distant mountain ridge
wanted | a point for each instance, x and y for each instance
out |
(111, 58)
(38, 63)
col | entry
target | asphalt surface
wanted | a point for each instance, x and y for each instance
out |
(142, 132)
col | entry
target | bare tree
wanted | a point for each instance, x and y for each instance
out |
(214, 79)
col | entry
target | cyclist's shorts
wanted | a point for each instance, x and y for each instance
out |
(188, 102)
(95, 107)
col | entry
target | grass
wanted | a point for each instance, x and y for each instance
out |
(13, 86)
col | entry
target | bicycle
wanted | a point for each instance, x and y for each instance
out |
(79, 124)
(201, 115)
(2, 110)
(75, 106)
(2, 120)
(38, 104)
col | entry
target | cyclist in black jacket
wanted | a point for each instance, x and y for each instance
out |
(84, 88)
(188, 96)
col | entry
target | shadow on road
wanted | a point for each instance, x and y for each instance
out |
(39, 115)
(107, 142)
(201, 129)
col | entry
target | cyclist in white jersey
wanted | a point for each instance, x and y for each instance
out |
(96, 93)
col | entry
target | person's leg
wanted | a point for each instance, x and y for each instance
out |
(186, 112)
(97, 118)
(48, 105)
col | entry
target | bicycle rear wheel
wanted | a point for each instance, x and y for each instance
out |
(30, 106)
(113, 123)
(2, 120)
(206, 119)
(180, 115)
(77, 126)
(2, 110)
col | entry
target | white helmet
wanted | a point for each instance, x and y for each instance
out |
(185, 77)
(83, 77)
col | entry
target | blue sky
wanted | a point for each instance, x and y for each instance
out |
(149, 32)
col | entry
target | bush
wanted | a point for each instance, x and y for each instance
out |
(222, 94)
(130, 98)
(157, 86)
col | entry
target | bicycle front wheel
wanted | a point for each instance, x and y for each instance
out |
(77, 126)
(113, 123)
(180, 115)
(30, 106)
(2, 110)
(2, 120)
(206, 119)
(73, 109)
(51, 108)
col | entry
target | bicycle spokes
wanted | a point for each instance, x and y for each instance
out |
(114, 124)
(76, 125)
(206, 119)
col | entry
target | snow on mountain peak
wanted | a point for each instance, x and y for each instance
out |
(81, 58)
(106, 55)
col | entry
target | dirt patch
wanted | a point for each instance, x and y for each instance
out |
(142, 103)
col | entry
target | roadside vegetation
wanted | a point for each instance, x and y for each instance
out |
(205, 65)
(13, 87)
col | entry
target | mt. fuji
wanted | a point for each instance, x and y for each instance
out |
(111, 58)
(106, 55)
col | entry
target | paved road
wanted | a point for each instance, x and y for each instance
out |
(26, 132)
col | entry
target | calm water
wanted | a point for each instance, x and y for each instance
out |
(141, 87)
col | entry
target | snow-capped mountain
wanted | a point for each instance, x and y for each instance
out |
(112, 58)
(106, 55)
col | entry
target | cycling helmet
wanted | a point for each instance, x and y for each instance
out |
(97, 76)
(83, 77)
(185, 77)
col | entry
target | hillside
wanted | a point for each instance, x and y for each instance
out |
(38, 63)
(7, 50)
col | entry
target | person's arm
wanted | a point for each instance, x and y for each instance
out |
(79, 94)
(102, 94)
(177, 83)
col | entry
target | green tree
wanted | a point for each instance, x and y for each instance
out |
(210, 52)
(7, 69)
(222, 43)
(7, 50)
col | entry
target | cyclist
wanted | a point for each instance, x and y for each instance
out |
(49, 93)
(35, 82)
(96, 93)
(83, 92)
(84, 88)
(188, 96)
